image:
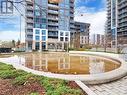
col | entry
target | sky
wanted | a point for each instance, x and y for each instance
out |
(88, 11)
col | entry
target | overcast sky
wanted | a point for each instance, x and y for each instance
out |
(88, 11)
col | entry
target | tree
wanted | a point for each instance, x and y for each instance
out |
(13, 43)
(18, 43)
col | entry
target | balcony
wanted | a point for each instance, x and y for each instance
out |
(29, 14)
(29, 39)
(29, 7)
(29, 33)
(29, 21)
(52, 40)
(29, 26)
(53, 24)
(53, 6)
(53, 18)
(52, 35)
(53, 29)
(53, 12)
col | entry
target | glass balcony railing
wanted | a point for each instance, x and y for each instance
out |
(53, 11)
(53, 6)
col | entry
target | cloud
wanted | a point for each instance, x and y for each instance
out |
(83, 1)
(90, 15)
(11, 35)
(84, 9)
(97, 21)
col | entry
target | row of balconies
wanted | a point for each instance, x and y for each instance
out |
(122, 24)
(122, 11)
(122, 16)
(122, 30)
(121, 2)
(123, 20)
(122, 6)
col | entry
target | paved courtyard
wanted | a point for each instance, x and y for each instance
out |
(118, 87)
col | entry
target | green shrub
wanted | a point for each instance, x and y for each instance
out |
(21, 72)
(6, 67)
(8, 74)
(52, 86)
(22, 79)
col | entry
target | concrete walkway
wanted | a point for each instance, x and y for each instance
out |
(118, 87)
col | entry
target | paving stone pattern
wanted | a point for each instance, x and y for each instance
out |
(118, 87)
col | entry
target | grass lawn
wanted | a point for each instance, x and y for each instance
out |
(19, 82)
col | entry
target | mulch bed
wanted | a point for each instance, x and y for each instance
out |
(6, 88)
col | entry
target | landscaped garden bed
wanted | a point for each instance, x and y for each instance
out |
(19, 82)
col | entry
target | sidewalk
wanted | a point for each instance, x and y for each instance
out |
(118, 87)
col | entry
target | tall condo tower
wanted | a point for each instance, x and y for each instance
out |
(48, 24)
(116, 23)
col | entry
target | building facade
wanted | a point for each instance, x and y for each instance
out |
(80, 35)
(116, 31)
(98, 40)
(48, 24)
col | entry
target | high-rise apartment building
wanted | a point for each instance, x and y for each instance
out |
(97, 40)
(116, 23)
(80, 35)
(48, 24)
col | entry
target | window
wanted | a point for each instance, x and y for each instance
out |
(36, 20)
(66, 34)
(61, 33)
(37, 38)
(37, 25)
(37, 45)
(61, 39)
(36, 7)
(43, 20)
(66, 38)
(43, 32)
(37, 32)
(43, 26)
(43, 45)
(43, 38)
(37, 13)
